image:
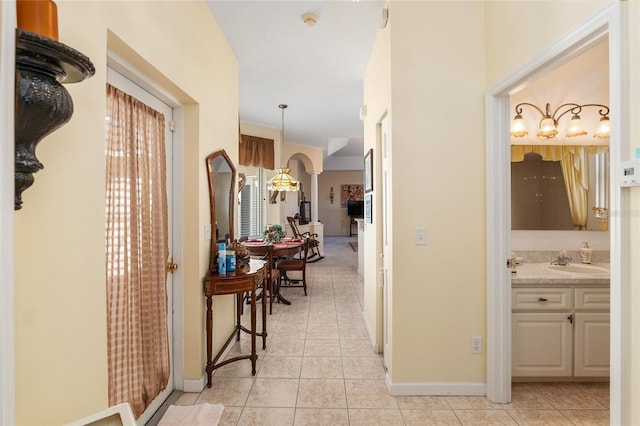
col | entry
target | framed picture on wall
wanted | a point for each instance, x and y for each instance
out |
(368, 206)
(368, 171)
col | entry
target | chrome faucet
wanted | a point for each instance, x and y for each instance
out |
(563, 259)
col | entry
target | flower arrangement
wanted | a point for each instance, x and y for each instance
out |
(274, 233)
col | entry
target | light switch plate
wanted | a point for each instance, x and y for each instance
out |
(421, 236)
(207, 232)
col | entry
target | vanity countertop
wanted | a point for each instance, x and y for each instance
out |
(540, 273)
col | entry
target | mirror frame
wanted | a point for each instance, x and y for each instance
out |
(213, 264)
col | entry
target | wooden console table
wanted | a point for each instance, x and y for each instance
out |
(246, 278)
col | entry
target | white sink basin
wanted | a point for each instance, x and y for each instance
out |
(581, 269)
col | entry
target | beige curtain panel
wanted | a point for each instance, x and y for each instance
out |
(257, 152)
(137, 252)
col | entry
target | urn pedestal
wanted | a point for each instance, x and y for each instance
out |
(42, 104)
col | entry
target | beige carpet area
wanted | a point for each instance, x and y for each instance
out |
(192, 415)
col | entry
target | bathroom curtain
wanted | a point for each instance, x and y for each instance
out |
(575, 169)
(136, 252)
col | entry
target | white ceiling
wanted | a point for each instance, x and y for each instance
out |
(317, 70)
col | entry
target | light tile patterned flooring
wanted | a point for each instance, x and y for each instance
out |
(319, 369)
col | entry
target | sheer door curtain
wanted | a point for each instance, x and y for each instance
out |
(136, 252)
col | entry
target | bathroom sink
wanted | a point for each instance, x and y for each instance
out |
(581, 269)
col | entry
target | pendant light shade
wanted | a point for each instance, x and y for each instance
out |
(283, 181)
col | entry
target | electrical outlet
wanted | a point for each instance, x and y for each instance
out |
(476, 344)
(207, 232)
(421, 236)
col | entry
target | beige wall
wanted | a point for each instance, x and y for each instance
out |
(436, 105)
(516, 30)
(432, 90)
(377, 98)
(61, 359)
(334, 216)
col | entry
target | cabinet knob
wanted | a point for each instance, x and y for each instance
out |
(542, 299)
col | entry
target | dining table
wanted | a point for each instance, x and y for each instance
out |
(287, 247)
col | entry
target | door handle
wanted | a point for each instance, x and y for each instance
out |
(172, 267)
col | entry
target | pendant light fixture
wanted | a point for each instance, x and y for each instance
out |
(283, 181)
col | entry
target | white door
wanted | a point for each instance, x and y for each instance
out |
(385, 272)
(118, 80)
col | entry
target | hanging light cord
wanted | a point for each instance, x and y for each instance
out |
(282, 107)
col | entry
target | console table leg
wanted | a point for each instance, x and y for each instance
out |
(209, 329)
(254, 355)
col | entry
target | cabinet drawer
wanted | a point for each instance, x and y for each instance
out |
(541, 298)
(592, 298)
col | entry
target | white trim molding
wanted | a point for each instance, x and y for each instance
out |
(608, 23)
(194, 385)
(7, 201)
(437, 388)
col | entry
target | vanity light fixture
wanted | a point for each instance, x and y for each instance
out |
(283, 181)
(548, 127)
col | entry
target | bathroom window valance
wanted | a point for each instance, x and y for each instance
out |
(555, 152)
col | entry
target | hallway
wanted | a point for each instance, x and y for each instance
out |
(319, 369)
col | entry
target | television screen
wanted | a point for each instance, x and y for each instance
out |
(355, 208)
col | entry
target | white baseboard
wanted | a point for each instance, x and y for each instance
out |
(195, 385)
(436, 388)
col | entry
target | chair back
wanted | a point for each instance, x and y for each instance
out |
(263, 253)
(305, 251)
(294, 227)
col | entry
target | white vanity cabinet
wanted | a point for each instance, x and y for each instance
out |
(560, 331)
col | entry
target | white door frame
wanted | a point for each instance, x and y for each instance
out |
(386, 262)
(7, 159)
(126, 69)
(609, 23)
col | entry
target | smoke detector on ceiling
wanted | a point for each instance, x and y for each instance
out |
(309, 19)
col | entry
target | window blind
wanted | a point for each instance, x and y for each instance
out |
(252, 208)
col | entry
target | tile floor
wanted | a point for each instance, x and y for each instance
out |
(319, 369)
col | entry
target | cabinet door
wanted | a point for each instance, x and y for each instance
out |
(592, 345)
(541, 345)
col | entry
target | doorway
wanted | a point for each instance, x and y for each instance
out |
(605, 25)
(124, 84)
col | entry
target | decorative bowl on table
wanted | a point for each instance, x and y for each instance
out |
(242, 253)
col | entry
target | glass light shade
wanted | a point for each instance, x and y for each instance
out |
(547, 128)
(575, 127)
(604, 128)
(283, 181)
(518, 129)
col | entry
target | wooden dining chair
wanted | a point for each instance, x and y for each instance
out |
(293, 264)
(266, 253)
(314, 244)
